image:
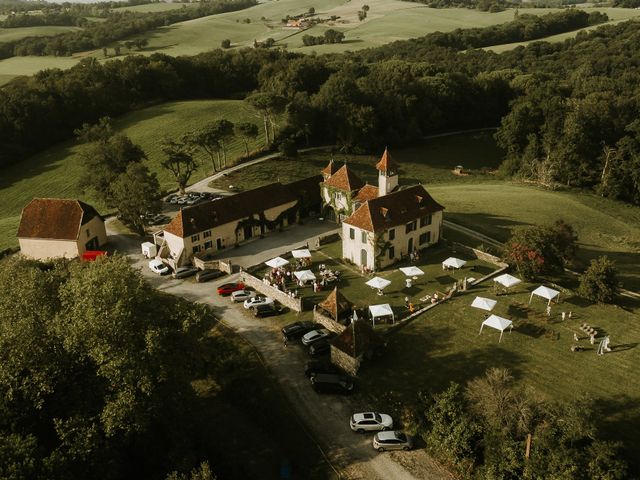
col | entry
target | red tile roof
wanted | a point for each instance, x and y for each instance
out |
(198, 218)
(336, 304)
(386, 163)
(368, 192)
(396, 208)
(345, 179)
(331, 168)
(54, 218)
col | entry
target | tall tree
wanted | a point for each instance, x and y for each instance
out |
(208, 140)
(179, 160)
(135, 194)
(224, 129)
(269, 105)
(247, 131)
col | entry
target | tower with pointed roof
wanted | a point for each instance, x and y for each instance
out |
(338, 191)
(387, 174)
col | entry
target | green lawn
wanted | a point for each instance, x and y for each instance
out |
(55, 173)
(443, 345)
(13, 67)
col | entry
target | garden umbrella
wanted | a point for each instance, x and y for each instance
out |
(305, 275)
(379, 283)
(545, 292)
(507, 280)
(484, 303)
(498, 323)
(411, 271)
(277, 262)
(302, 253)
(454, 262)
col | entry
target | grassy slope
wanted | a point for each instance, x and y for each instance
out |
(55, 172)
(10, 34)
(151, 7)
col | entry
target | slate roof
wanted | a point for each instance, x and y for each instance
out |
(368, 192)
(309, 186)
(396, 208)
(336, 304)
(345, 179)
(386, 163)
(205, 216)
(55, 218)
(366, 339)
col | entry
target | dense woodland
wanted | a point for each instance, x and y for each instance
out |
(567, 112)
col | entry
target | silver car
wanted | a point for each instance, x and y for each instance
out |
(370, 421)
(392, 440)
(314, 336)
(242, 295)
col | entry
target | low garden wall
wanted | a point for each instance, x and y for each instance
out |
(328, 322)
(221, 265)
(479, 254)
(256, 283)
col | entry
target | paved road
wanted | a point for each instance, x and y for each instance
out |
(325, 416)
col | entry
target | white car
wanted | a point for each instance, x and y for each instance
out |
(242, 295)
(314, 336)
(370, 421)
(255, 301)
(392, 440)
(158, 267)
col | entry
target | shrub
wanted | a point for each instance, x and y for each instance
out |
(599, 282)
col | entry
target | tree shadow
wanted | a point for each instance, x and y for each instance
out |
(445, 280)
(622, 347)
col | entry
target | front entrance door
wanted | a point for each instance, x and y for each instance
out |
(410, 246)
(363, 257)
(248, 232)
(219, 244)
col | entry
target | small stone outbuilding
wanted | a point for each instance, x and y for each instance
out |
(358, 342)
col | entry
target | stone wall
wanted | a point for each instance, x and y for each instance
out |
(256, 283)
(347, 363)
(479, 254)
(328, 322)
(221, 265)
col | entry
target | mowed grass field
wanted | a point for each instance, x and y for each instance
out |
(55, 173)
(480, 201)
(13, 67)
(11, 34)
(152, 7)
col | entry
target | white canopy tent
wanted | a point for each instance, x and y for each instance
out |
(453, 262)
(302, 253)
(379, 283)
(277, 262)
(411, 271)
(381, 311)
(498, 323)
(305, 275)
(507, 280)
(484, 303)
(545, 292)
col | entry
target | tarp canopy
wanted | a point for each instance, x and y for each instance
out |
(507, 280)
(379, 283)
(484, 303)
(305, 275)
(302, 253)
(498, 323)
(454, 262)
(411, 271)
(381, 311)
(277, 262)
(545, 292)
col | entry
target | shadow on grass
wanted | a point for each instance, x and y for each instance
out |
(445, 280)
(494, 226)
(619, 421)
(622, 348)
(578, 301)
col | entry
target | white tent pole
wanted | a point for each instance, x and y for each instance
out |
(481, 327)
(500, 339)
(530, 298)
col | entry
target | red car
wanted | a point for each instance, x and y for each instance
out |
(229, 288)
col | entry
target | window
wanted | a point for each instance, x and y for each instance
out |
(208, 245)
(425, 238)
(195, 238)
(206, 234)
(392, 252)
(364, 237)
(196, 249)
(88, 234)
(338, 196)
(352, 234)
(392, 234)
(424, 221)
(411, 226)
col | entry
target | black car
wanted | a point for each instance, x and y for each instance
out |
(320, 366)
(331, 383)
(298, 329)
(184, 272)
(321, 347)
(206, 275)
(266, 310)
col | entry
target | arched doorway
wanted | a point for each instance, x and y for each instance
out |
(363, 257)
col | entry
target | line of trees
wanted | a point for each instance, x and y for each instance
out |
(57, 18)
(117, 26)
(330, 36)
